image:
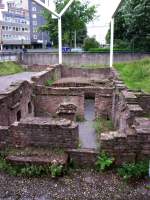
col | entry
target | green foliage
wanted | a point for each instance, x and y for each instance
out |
(31, 170)
(103, 50)
(49, 82)
(136, 75)
(56, 170)
(7, 68)
(132, 25)
(103, 125)
(75, 19)
(90, 43)
(134, 170)
(80, 118)
(103, 162)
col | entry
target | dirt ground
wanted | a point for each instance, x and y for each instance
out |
(78, 185)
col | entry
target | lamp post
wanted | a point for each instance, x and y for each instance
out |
(59, 17)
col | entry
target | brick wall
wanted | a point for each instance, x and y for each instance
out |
(103, 103)
(16, 99)
(144, 102)
(51, 73)
(47, 100)
(45, 132)
(83, 158)
(4, 137)
(131, 141)
(101, 73)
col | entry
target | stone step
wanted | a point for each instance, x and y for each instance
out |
(37, 156)
(38, 160)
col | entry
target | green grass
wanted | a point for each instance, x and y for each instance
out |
(93, 66)
(7, 68)
(88, 66)
(136, 75)
(102, 125)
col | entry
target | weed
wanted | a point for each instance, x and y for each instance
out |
(134, 170)
(56, 170)
(80, 118)
(103, 162)
(31, 170)
(103, 125)
(49, 82)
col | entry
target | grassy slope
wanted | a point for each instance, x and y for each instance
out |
(7, 68)
(136, 75)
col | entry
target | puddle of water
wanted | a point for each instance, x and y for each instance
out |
(87, 133)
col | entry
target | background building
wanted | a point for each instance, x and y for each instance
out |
(14, 25)
(38, 39)
(19, 23)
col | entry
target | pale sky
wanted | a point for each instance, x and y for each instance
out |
(100, 26)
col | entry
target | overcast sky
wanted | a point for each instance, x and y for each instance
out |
(99, 27)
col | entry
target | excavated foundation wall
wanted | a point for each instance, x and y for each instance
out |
(131, 141)
(51, 73)
(18, 98)
(129, 112)
(101, 73)
(47, 100)
(45, 132)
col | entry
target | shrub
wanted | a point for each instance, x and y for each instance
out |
(103, 162)
(90, 43)
(134, 170)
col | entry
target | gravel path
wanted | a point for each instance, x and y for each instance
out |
(86, 130)
(80, 185)
(6, 81)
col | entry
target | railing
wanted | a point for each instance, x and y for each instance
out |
(10, 56)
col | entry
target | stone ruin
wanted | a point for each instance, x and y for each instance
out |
(34, 115)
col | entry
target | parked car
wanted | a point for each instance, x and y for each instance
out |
(78, 50)
(66, 49)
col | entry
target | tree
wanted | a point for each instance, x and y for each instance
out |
(132, 24)
(90, 43)
(75, 19)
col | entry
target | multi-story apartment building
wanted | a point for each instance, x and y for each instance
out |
(19, 23)
(14, 25)
(38, 39)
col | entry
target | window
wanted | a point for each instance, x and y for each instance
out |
(34, 16)
(19, 115)
(34, 9)
(29, 108)
(34, 23)
(34, 37)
